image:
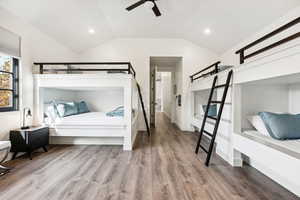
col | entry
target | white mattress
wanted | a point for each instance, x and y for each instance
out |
(290, 145)
(89, 119)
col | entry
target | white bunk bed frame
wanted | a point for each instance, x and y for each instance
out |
(202, 81)
(110, 135)
(281, 166)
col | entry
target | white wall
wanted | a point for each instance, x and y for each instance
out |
(294, 98)
(97, 100)
(200, 99)
(36, 46)
(179, 110)
(166, 93)
(258, 98)
(50, 94)
(138, 52)
(102, 100)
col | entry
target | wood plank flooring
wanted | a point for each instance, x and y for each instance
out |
(163, 167)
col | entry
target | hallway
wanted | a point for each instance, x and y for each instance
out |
(164, 168)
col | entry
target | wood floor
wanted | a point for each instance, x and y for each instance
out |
(162, 167)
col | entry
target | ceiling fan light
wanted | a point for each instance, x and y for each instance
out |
(207, 31)
(149, 4)
(91, 31)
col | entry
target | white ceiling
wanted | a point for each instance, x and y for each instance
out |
(68, 21)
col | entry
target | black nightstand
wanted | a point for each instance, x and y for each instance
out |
(29, 140)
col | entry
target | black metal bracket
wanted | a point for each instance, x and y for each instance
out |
(200, 74)
(241, 51)
(129, 69)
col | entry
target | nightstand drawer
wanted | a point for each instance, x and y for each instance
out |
(29, 140)
(39, 138)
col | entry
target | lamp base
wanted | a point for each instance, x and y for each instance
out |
(25, 127)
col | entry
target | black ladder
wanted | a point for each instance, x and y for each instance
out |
(217, 119)
(143, 107)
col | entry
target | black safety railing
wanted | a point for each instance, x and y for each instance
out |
(70, 69)
(210, 70)
(241, 51)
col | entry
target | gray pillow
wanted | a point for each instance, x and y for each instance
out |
(282, 126)
(82, 107)
(67, 109)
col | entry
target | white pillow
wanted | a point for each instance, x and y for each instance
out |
(201, 111)
(258, 124)
(50, 111)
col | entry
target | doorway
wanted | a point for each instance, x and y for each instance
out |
(165, 87)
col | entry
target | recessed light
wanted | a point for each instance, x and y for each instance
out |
(207, 31)
(91, 31)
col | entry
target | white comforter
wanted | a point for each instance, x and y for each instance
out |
(90, 119)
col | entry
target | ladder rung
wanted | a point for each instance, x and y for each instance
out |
(203, 148)
(219, 86)
(210, 117)
(208, 133)
(216, 101)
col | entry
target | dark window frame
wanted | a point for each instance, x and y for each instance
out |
(15, 86)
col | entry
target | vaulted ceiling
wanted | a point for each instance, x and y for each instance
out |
(230, 21)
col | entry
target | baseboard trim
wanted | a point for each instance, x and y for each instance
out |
(87, 140)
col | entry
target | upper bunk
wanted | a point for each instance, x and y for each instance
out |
(276, 54)
(83, 75)
(203, 79)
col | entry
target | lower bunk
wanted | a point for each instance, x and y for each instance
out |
(93, 128)
(266, 128)
(280, 160)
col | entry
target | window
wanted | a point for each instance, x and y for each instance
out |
(9, 83)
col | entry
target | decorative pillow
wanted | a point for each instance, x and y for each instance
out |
(201, 112)
(50, 111)
(118, 112)
(212, 111)
(67, 109)
(55, 104)
(258, 124)
(82, 107)
(282, 126)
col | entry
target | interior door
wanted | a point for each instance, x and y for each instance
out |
(152, 95)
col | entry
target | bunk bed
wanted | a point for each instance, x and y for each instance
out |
(201, 82)
(201, 85)
(264, 81)
(90, 127)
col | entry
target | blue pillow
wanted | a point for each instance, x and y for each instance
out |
(282, 126)
(118, 112)
(82, 107)
(67, 109)
(212, 111)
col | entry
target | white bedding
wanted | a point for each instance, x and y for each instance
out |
(291, 145)
(89, 119)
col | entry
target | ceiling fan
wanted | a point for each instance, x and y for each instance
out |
(151, 3)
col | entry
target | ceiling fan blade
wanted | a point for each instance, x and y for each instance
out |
(133, 6)
(156, 10)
